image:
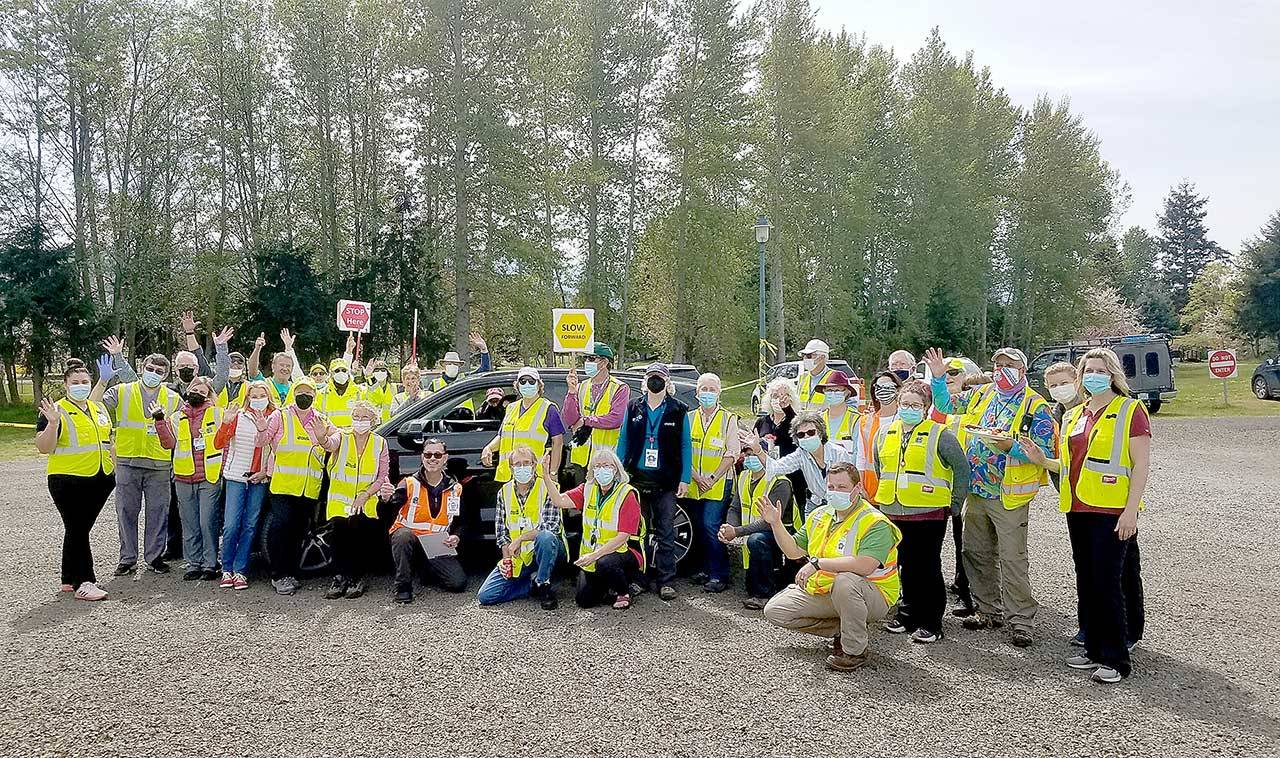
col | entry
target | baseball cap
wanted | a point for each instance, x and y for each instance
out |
(953, 364)
(658, 369)
(815, 346)
(1011, 352)
(318, 367)
(339, 363)
(601, 350)
(529, 371)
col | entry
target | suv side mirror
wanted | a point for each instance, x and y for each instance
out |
(414, 432)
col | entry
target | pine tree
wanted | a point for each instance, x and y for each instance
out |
(1260, 283)
(1185, 247)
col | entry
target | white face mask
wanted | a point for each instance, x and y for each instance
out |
(258, 403)
(808, 363)
(380, 376)
(1063, 393)
(361, 425)
(451, 370)
(341, 377)
(235, 373)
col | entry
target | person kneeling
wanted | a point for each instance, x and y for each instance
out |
(529, 534)
(429, 503)
(851, 577)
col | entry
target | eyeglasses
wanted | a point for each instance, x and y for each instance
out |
(911, 407)
(434, 456)
(804, 435)
(527, 380)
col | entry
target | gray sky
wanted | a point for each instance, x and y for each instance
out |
(1173, 88)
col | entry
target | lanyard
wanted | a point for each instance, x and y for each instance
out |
(651, 427)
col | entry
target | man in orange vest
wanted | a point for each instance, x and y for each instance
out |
(427, 523)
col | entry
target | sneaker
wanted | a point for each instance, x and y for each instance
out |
(925, 637)
(357, 589)
(667, 593)
(158, 566)
(1131, 645)
(844, 662)
(700, 578)
(90, 591)
(208, 575)
(636, 588)
(547, 598)
(963, 610)
(283, 586)
(294, 583)
(715, 586)
(754, 603)
(1106, 675)
(622, 602)
(239, 581)
(979, 621)
(404, 594)
(193, 574)
(1080, 663)
(1022, 638)
(228, 580)
(125, 569)
(337, 589)
(1078, 640)
(895, 626)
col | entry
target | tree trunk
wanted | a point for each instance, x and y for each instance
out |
(461, 223)
(4, 392)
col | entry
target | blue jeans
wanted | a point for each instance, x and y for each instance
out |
(547, 549)
(240, 523)
(715, 559)
(765, 557)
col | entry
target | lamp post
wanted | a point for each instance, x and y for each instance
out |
(762, 228)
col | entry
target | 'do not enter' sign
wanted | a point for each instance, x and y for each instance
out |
(1222, 364)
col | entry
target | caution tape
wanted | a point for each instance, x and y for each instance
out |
(15, 425)
(740, 384)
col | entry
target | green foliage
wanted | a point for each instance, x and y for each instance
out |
(1259, 312)
(1185, 247)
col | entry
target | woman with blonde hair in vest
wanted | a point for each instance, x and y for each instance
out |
(246, 469)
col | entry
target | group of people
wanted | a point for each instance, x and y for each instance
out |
(841, 514)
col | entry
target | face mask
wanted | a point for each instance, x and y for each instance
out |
(1096, 384)
(911, 416)
(320, 383)
(808, 363)
(885, 392)
(522, 474)
(258, 403)
(303, 401)
(528, 390)
(451, 370)
(186, 373)
(79, 392)
(902, 374)
(380, 376)
(195, 399)
(361, 426)
(590, 368)
(604, 476)
(1009, 379)
(833, 398)
(1063, 393)
(839, 500)
(708, 399)
(655, 384)
(151, 378)
(341, 377)
(235, 373)
(810, 444)
(752, 463)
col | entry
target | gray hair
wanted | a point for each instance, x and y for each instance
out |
(766, 402)
(809, 418)
(607, 455)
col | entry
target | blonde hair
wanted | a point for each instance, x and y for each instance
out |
(708, 377)
(259, 384)
(1061, 367)
(205, 381)
(522, 449)
(766, 402)
(367, 407)
(1112, 362)
(606, 455)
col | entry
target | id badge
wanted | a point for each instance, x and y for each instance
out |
(151, 430)
(197, 443)
(1078, 429)
(651, 458)
(455, 505)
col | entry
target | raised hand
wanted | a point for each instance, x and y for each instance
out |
(286, 339)
(49, 411)
(155, 411)
(113, 345)
(933, 358)
(189, 322)
(478, 343)
(105, 369)
(351, 343)
(571, 382)
(224, 336)
(261, 341)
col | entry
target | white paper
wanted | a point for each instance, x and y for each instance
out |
(433, 544)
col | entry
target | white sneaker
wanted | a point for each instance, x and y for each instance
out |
(1081, 662)
(1106, 675)
(90, 591)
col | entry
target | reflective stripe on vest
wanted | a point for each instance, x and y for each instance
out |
(913, 479)
(522, 518)
(381, 396)
(810, 397)
(223, 399)
(136, 431)
(352, 472)
(415, 514)
(709, 447)
(600, 438)
(84, 440)
(299, 465)
(337, 408)
(522, 427)
(843, 430)
(830, 540)
(276, 400)
(1106, 471)
(183, 450)
(868, 428)
(1022, 480)
(748, 494)
(600, 519)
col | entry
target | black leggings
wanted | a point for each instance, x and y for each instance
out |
(924, 595)
(286, 526)
(613, 573)
(79, 500)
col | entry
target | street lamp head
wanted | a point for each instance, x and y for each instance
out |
(762, 228)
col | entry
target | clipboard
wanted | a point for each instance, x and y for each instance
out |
(433, 545)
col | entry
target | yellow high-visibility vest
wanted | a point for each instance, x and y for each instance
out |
(810, 397)
(223, 399)
(918, 478)
(710, 443)
(184, 450)
(521, 426)
(299, 466)
(337, 407)
(1107, 469)
(600, 520)
(276, 399)
(599, 406)
(525, 517)
(352, 472)
(84, 440)
(749, 493)
(831, 539)
(381, 396)
(135, 430)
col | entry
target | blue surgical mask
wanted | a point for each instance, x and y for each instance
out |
(832, 399)
(911, 416)
(839, 500)
(79, 392)
(590, 368)
(1096, 384)
(752, 463)
(522, 474)
(152, 379)
(603, 476)
(528, 390)
(811, 444)
(708, 399)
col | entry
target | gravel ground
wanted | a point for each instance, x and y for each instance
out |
(172, 668)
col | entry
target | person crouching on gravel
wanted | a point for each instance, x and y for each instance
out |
(529, 534)
(851, 575)
(428, 503)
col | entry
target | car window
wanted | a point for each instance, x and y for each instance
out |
(1152, 363)
(1130, 365)
(790, 371)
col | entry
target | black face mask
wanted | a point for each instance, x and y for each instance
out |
(902, 374)
(195, 399)
(655, 384)
(303, 401)
(186, 373)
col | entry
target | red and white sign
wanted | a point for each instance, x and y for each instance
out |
(354, 316)
(1222, 364)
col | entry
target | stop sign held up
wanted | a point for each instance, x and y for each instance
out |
(354, 316)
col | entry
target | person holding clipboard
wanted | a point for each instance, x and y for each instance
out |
(428, 504)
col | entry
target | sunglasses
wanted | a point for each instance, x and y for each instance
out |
(954, 372)
(527, 380)
(805, 435)
(433, 456)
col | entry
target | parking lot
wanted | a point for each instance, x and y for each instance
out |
(171, 668)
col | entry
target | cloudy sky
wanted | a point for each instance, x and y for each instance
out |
(1174, 88)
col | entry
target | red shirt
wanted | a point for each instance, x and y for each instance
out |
(1140, 426)
(628, 516)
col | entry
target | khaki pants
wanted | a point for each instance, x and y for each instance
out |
(995, 560)
(845, 611)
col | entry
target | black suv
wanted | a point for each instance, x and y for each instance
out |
(1265, 381)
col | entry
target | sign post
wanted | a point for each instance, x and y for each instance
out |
(573, 330)
(1222, 365)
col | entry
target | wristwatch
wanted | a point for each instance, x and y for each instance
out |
(814, 562)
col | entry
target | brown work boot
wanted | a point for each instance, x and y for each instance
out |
(842, 662)
(834, 648)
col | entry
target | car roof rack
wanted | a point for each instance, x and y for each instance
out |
(1117, 340)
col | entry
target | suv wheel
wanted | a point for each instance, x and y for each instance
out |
(1260, 388)
(1153, 405)
(684, 536)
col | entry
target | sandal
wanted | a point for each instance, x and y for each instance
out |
(622, 603)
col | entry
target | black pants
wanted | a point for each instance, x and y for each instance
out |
(924, 594)
(359, 544)
(286, 526)
(659, 509)
(962, 579)
(443, 571)
(1104, 591)
(79, 500)
(173, 549)
(610, 579)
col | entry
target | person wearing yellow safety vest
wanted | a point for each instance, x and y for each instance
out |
(813, 372)
(923, 477)
(380, 391)
(760, 555)
(300, 435)
(1003, 480)
(284, 370)
(593, 412)
(197, 476)
(319, 374)
(533, 421)
(1104, 457)
(358, 469)
(240, 375)
(336, 400)
(850, 577)
(837, 393)
(713, 432)
(75, 432)
(143, 467)
(410, 388)
(530, 534)
(610, 555)
(451, 367)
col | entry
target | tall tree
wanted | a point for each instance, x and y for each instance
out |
(1185, 247)
(1260, 283)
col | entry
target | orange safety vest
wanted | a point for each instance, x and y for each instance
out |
(868, 427)
(416, 515)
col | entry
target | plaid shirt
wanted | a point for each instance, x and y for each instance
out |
(548, 520)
